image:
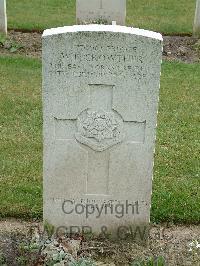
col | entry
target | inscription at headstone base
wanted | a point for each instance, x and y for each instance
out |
(100, 101)
(100, 11)
(3, 17)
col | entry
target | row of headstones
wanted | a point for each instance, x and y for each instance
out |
(97, 11)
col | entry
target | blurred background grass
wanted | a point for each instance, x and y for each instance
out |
(166, 16)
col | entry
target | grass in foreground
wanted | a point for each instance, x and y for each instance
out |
(176, 195)
(20, 138)
(166, 16)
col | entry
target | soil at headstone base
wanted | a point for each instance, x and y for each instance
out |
(185, 49)
(171, 242)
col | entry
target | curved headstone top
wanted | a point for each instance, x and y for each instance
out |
(103, 28)
(100, 101)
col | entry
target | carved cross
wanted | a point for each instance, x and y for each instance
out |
(99, 129)
(101, 4)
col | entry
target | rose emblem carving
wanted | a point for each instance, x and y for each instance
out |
(100, 125)
(99, 129)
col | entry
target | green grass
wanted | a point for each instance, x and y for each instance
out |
(37, 14)
(166, 16)
(20, 138)
(176, 194)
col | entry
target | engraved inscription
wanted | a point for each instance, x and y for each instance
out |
(99, 129)
(100, 61)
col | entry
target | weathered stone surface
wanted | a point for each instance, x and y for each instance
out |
(196, 27)
(101, 11)
(100, 98)
(3, 17)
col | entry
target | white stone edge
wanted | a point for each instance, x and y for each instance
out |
(103, 28)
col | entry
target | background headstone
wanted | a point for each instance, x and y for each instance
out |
(3, 17)
(100, 98)
(196, 28)
(100, 11)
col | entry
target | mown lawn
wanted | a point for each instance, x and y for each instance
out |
(166, 16)
(176, 194)
(20, 138)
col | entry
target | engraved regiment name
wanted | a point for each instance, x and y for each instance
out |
(100, 63)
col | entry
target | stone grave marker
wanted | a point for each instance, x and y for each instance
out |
(100, 100)
(3, 17)
(100, 11)
(196, 26)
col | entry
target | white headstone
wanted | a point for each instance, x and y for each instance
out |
(100, 11)
(100, 98)
(196, 28)
(3, 17)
